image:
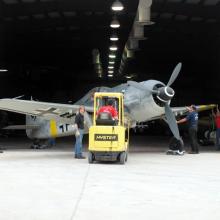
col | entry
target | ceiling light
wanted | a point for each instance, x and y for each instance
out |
(112, 56)
(111, 71)
(3, 70)
(114, 37)
(115, 23)
(110, 75)
(111, 62)
(113, 48)
(111, 67)
(128, 77)
(117, 6)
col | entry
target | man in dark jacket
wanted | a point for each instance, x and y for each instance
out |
(192, 119)
(79, 123)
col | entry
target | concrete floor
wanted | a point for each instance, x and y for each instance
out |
(52, 185)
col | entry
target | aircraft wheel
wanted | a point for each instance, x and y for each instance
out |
(90, 157)
(122, 157)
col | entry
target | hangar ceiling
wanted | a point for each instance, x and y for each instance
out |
(60, 33)
(50, 43)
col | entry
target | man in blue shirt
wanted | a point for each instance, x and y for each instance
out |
(192, 119)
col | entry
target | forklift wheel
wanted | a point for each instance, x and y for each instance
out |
(122, 158)
(90, 157)
(126, 158)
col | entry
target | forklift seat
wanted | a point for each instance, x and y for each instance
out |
(104, 118)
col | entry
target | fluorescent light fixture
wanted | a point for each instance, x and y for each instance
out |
(112, 56)
(3, 70)
(115, 23)
(111, 67)
(113, 48)
(110, 75)
(111, 62)
(117, 6)
(111, 71)
(114, 37)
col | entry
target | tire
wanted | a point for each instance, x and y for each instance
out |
(122, 157)
(90, 157)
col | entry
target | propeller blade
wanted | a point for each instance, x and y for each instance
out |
(171, 121)
(174, 74)
(141, 87)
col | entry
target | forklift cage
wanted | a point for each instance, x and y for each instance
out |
(100, 99)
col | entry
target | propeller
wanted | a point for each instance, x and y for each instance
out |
(175, 73)
(165, 94)
(171, 121)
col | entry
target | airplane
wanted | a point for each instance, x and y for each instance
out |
(143, 101)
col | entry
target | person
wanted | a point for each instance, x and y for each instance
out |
(217, 125)
(51, 142)
(79, 124)
(109, 109)
(176, 147)
(192, 119)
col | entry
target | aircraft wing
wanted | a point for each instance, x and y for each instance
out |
(200, 108)
(183, 110)
(63, 113)
(20, 127)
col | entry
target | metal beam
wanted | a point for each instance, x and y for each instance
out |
(144, 12)
(190, 10)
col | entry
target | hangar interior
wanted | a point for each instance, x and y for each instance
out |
(57, 50)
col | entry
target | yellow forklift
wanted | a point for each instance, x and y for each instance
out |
(108, 137)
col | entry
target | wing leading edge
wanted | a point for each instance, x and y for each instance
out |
(63, 113)
(183, 110)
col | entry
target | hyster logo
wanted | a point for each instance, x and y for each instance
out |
(106, 137)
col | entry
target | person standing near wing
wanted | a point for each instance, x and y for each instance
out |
(79, 123)
(192, 119)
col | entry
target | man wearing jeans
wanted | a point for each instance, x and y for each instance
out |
(79, 123)
(192, 119)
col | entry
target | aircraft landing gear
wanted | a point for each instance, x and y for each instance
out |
(1, 149)
(38, 145)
